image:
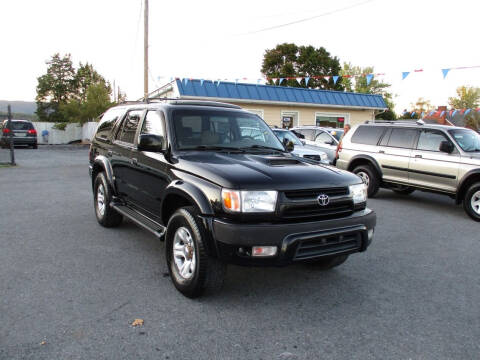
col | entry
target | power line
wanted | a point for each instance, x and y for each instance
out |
(309, 18)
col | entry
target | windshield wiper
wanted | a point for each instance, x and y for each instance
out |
(262, 147)
(213, 148)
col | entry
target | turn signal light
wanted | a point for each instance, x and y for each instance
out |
(263, 251)
(6, 131)
(231, 200)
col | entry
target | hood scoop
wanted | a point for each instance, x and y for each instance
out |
(275, 161)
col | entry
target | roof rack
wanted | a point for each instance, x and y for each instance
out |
(396, 122)
(177, 101)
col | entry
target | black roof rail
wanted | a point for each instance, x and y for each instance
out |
(395, 122)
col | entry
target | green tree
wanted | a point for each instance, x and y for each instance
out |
(54, 88)
(289, 60)
(85, 76)
(375, 87)
(467, 98)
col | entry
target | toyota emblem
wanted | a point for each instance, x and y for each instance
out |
(323, 199)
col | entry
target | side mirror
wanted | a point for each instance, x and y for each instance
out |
(289, 145)
(446, 146)
(150, 142)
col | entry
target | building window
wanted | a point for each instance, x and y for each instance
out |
(331, 120)
(289, 119)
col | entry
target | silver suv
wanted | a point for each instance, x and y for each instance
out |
(409, 156)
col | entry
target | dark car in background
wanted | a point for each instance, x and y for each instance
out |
(23, 133)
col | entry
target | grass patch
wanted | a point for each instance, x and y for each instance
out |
(6, 165)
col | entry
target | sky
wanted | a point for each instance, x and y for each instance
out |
(213, 39)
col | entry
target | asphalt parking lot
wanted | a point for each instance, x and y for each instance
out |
(69, 289)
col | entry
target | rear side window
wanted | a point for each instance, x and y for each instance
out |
(368, 135)
(308, 133)
(106, 123)
(402, 138)
(129, 126)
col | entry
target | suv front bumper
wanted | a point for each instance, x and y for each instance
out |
(295, 242)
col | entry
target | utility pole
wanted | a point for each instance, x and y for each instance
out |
(145, 52)
(10, 135)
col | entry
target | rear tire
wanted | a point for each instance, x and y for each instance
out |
(191, 269)
(328, 263)
(471, 202)
(369, 177)
(402, 190)
(102, 196)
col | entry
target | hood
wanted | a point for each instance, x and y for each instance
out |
(261, 172)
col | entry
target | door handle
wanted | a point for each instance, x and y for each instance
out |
(381, 151)
(134, 161)
(109, 153)
(418, 156)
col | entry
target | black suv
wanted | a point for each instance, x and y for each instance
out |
(192, 174)
(22, 132)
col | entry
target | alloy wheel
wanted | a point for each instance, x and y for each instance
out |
(475, 202)
(101, 199)
(184, 253)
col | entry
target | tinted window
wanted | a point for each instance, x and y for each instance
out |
(430, 140)
(153, 124)
(402, 138)
(323, 138)
(129, 126)
(106, 123)
(368, 135)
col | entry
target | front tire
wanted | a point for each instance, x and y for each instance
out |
(328, 263)
(102, 196)
(471, 202)
(369, 177)
(191, 269)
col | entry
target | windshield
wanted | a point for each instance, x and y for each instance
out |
(337, 134)
(207, 129)
(467, 139)
(282, 134)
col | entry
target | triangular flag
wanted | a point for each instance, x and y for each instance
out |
(186, 81)
(306, 80)
(454, 113)
(405, 74)
(327, 78)
(445, 72)
(413, 114)
(422, 114)
(218, 83)
(369, 78)
(299, 80)
(280, 81)
(442, 113)
(431, 113)
(201, 82)
(467, 111)
(335, 78)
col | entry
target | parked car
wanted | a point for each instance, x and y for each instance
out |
(23, 131)
(409, 156)
(300, 149)
(189, 172)
(326, 139)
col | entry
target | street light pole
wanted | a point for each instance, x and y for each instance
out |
(10, 135)
(145, 52)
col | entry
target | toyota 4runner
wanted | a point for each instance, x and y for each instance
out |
(191, 173)
(407, 156)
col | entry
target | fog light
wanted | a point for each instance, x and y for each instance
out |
(370, 235)
(262, 251)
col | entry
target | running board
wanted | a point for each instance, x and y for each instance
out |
(139, 219)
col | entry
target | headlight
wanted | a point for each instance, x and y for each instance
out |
(358, 192)
(249, 201)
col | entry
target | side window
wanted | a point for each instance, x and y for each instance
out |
(106, 124)
(154, 124)
(367, 135)
(385, 137)
(402, 138)
(308, 133)
(129, 126)
(323, 138)
(430, 140)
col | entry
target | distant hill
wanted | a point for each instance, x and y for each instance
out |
(19, 107)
